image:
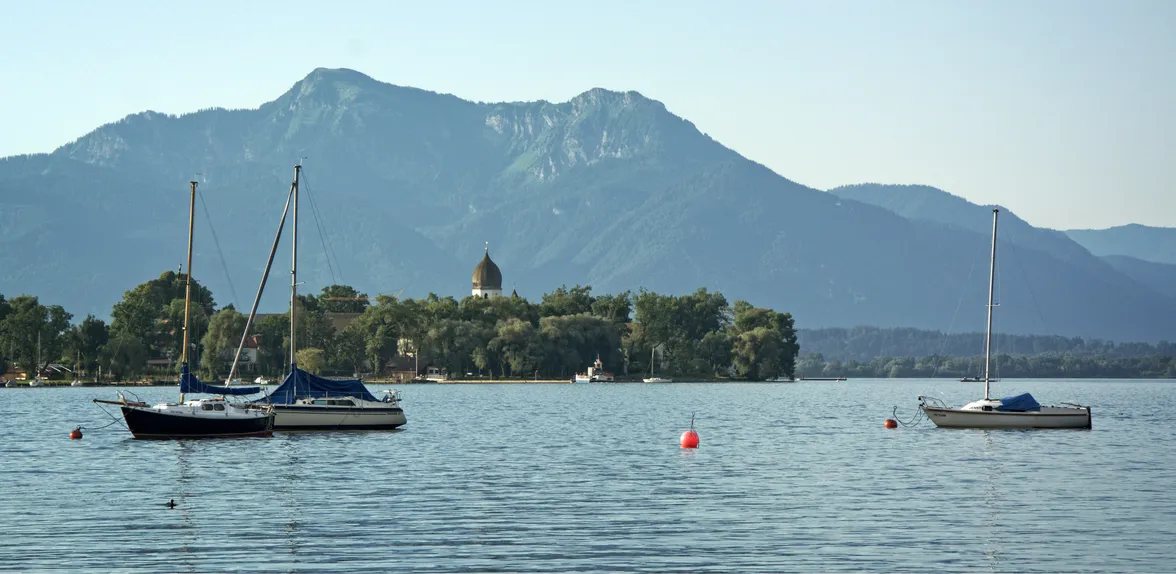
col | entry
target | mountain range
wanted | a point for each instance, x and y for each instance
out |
(404, 188)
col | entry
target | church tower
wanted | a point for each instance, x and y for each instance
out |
(487, 277)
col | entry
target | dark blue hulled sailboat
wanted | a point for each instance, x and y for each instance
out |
(212, 417)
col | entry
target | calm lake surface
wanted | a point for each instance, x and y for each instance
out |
(579, 478)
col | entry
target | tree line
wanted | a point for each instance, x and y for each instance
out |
(864, 344)
(699, 335)
(1043, 366)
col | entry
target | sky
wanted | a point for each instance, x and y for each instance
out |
(1063, 111)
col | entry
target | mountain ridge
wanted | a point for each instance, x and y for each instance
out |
(1147, 243)
(608, 188)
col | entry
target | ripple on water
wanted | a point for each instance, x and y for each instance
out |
(589, 478)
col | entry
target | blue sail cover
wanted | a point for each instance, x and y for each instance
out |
(190, 384)
(300, 384)
(1020, 403)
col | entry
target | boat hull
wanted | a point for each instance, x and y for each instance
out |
(1046, 418)
(150, 423)
(315, 417)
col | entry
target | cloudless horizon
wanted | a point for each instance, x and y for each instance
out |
(1063, 112)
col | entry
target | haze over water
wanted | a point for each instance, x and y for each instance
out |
(590, 478)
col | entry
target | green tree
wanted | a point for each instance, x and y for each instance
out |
(311, 360)
(615, 308)
(85, 342)
(764, 342)
(168, 340)
(756, 354)
(516, 343)
(221, 340)
(342, 299)
(569, 343)
(151, 313)
(383, 325)
(273, 343)
(349, 349)
(679, 323)
(124, 355)
(564, 301)
(5, 309)
(715, 350)
(314, 330)
(452, 343)
(494, 309)
(35, 333)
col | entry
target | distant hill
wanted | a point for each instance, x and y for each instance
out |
(608, 189)
(868, 343)
(1160, 277)
(926, 203)
(1155, 244)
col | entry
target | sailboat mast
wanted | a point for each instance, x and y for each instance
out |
(991, 284)
(294, 272)
(261, 288)
(188, 285)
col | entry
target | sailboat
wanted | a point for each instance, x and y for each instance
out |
(308, 402)
(651, 378)
(37, 382)
(77, 382)
(202, 418)
(1016, 412)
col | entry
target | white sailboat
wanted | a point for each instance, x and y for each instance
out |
(36, 381)
(308, 402)
(77, 382)
(651, 378)
(1017, 412)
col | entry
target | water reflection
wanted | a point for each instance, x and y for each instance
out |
(292, 480)
(993, 468)
(185, 451)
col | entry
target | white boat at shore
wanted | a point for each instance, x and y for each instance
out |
(652, 378)
(1016, 412)
(595, 374)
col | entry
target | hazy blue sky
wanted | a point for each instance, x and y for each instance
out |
(1063, 111)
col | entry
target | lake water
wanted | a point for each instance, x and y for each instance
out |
(590, 478)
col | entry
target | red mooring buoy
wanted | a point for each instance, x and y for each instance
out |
(75, 434)
(891, 424)
(689, 438)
